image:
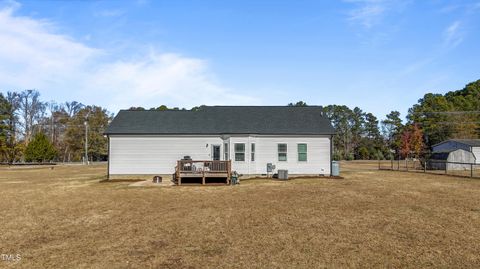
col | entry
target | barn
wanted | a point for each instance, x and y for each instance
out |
(454, 159)
(244, 139)
(470, 145)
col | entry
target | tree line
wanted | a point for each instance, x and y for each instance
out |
(433, 119)
(38, 131)
(32, 130)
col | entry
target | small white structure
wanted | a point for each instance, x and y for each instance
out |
(297, 139)
(471, 145)
(458, 159)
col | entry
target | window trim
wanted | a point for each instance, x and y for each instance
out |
(306, 152)
(242, 152)
(286, 152)
(226, 155)
(252, 152)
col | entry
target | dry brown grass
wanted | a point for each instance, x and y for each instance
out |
(65, 218)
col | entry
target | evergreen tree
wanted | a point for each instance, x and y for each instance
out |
(40, 149)
(453, 115)
(392, 128)
(299, 103)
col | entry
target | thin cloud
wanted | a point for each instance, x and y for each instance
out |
(369, 13)
(453, 35)
(35, 56)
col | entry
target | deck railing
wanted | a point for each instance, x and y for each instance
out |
(203, 169)
(194, 167)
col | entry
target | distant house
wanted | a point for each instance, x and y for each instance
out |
(298, 139)
(469, 145)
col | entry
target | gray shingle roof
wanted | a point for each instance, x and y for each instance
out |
(224, 120)
(469, 142)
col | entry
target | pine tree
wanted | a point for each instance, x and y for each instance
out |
(40, 149)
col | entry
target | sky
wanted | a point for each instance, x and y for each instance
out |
(379, 55)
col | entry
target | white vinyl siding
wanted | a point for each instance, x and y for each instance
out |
(266, 151)
(156, 154)
(152, 155)
(318, 154)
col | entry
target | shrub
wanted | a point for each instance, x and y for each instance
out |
(363, 152)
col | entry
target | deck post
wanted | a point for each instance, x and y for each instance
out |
(179, 177)
(229, 171)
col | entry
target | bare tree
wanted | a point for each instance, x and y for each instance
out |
(31, 110)
(73, 108)
(12, 149)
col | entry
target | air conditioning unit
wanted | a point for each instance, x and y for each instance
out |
(283, 174)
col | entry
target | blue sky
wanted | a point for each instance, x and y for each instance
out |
(380, 55)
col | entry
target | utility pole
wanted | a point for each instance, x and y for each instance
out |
(86, 140)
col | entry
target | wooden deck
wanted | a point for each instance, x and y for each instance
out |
(203, 170)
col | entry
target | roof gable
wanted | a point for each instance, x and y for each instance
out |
(224, 120)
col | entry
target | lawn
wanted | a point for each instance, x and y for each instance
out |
(66, 218)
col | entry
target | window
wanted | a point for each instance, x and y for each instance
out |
(252, 153)
(302, 152)
(225, 152)
(239, 152)
(282, 152)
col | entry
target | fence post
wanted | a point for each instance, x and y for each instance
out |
(446, 167)
(471, 170)
(406, 164)
(425, 167)
(391, 161)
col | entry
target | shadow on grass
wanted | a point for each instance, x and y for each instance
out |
(106, 180)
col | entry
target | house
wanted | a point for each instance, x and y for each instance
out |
(298, 139)
(470, 145)
(453, 159)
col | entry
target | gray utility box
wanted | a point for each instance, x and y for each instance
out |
(335, 169)
(270, 167)
(283, 174)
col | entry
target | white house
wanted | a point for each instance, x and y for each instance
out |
(298, 139)
(470, 145)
